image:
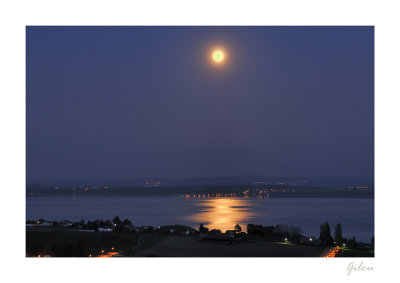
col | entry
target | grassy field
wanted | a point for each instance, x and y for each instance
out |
(346, 252)
(176, 246)
(96, 241)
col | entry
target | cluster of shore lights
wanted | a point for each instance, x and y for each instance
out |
(234, 195)
(210, 196)
(359, 187)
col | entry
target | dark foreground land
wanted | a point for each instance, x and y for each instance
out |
(67, 243)
(346, 252)
(177, 246)
(61, 242)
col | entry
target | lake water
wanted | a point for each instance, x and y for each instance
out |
(355, 214)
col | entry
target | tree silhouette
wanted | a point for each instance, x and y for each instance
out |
(116, 220)
(338, 234)
(352, 242)
(202, 229)
(325, 234)
(238, 228)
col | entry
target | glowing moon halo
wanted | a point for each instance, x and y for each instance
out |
(218, 56)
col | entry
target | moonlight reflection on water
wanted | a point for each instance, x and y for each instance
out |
(223, 213)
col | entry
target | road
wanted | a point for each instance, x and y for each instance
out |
(110, 254)
(331, 252)
(139, 243)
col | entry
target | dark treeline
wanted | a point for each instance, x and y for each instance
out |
(277, 231)
(274, 232)
(115, 225)
(326, 239)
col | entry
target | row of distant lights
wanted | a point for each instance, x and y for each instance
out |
(286, 239)
(311, 239)
(359, 187)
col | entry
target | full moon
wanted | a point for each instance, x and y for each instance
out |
(218, 56)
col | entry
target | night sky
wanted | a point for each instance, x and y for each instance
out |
(131, 102)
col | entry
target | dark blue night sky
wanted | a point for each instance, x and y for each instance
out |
(129, 102)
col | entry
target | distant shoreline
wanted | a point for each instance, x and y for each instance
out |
(205, 192)
(363, 196)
